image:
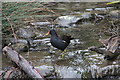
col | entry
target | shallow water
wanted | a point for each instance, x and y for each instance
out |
(77, 58)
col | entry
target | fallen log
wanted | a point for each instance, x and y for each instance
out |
(22, 63)
(112, 48)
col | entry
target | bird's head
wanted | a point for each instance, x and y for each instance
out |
(51, 32)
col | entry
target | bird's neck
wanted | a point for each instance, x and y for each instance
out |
(54, 35)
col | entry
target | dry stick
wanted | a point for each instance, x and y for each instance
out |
(22, 63)
(12, 28)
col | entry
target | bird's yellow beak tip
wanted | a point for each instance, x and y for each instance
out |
(47, 33)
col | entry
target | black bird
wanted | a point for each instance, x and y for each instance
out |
(59, 42)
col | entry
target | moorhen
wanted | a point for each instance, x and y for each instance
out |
(59, 42)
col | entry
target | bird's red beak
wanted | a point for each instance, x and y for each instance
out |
(47, 33)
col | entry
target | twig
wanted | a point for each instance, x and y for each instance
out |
(11, 25)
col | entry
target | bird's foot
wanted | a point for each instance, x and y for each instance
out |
(62, 55)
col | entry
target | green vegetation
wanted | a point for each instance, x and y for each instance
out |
(21, 14)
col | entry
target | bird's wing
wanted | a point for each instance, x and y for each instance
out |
(64, 41)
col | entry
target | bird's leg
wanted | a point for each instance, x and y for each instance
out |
(65, 50)
(64, 53)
